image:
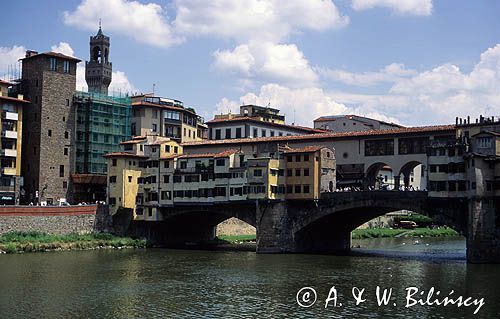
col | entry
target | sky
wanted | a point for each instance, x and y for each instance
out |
(412, 62)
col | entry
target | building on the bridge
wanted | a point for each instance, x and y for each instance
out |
(151, 173)
(351, 123)
(481, 143)
(309, 171)
(153, 115)
(253, 121)
(11, 123)
(136, 175)
(359, 155)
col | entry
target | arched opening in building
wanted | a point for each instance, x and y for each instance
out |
(380, 176)
(97, 54)
(412, 176)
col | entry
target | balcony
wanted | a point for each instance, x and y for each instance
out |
(9, 171)
(7, 189)
(9, 134)
(9, 152)
(10, 116)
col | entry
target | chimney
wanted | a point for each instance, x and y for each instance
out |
(481, 119)
(456, 120)
(30, 53)
(468, 119)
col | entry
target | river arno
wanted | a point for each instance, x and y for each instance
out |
(160, 283)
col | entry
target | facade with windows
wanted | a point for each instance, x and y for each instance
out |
(48, 81)
(152, 115)
(351, 123)
(11, 124)
(247, 127)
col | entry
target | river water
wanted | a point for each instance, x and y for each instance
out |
(161, 283)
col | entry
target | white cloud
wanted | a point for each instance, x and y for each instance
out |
(390, 73)
(284, 63)
(299, 105)
(119, 82)
(64, 48)
(440, 94)
(9, 60)
(411, 7)
(267, 20)
(147, 23)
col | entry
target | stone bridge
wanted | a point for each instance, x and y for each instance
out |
(325, 225)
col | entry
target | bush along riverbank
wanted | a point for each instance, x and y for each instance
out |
(19, 242)
(362, 234)
(417, 232)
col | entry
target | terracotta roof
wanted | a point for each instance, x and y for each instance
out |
(168, 107)
(123, 154)
(307, 149)
(226, 153)
(134, 140)
(54, 54)
(8, 98)
(6, 82)
(330, 135)
(170, 156)
(256, 120)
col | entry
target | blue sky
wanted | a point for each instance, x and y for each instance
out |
(415, 62)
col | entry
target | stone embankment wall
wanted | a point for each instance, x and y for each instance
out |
(234, 226)
(53, 219)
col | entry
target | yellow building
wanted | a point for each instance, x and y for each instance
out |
(123, 175)
(11, 125)
(133, 175)
(309, 172)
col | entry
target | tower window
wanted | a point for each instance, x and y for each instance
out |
(61, 170)
(53, 64)
(66, 66)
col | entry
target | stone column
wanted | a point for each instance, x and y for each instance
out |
(272, 235)
(483, 240)
(397, 183)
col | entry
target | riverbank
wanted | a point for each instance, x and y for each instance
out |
(20, 242)
(363, 234)
(390, 232)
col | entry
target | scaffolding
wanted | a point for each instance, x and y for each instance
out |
(102, 123)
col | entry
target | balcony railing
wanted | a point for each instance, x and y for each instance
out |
(9, 152)
(9, 171)
(9, 134)
(7, 189)
(10, 116)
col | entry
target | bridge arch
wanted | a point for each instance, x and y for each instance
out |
(329, 228)
(407, 169)
(192, 224)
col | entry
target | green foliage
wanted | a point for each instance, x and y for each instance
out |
(417, 232)
(35, 241)
(233, 239)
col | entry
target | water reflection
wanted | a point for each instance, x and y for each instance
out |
(168, 283)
